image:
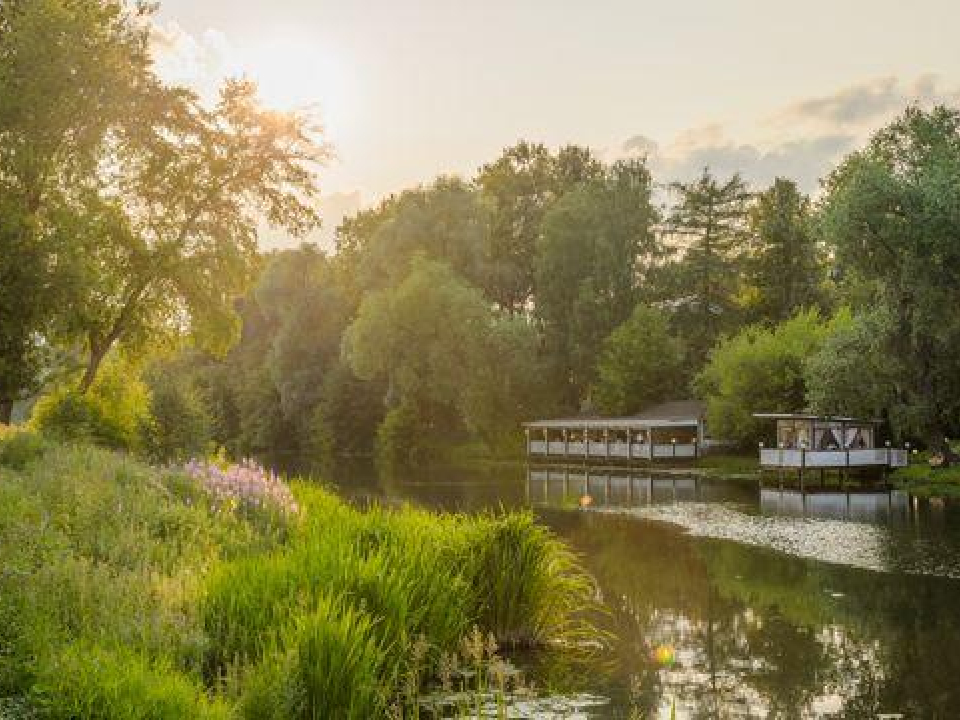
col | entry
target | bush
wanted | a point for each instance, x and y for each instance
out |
(180, 426)
(640, 363)
(759, 370)
(113, 413)
(19, 447)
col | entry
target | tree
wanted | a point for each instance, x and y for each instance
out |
(444, 221)
(709, 224)
(760, 369)
(171, 250)
(69, 74)
(422, 338)
(520, 187)
(640, 363)
(451, 365)
(850, 375)
(596, 244)
(786, 263)
(891, 214)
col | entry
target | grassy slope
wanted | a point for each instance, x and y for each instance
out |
(124, 593)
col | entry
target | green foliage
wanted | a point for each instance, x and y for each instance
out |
(69, 74)
(760, 370)
(520, 186)
(527, 584)
(641, 363)
(710, 221)
(139, 591)
(594, 246)
(91, 682)
(331, 668)
(445, 221)
(113, 413)
(412, 579)
(179, 426)
(19, 447)
(850, 375)
(99, 550)
(891, 216)
(785, 268)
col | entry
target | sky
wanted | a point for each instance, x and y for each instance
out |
(410, 90)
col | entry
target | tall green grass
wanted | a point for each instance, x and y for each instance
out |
(126, 593)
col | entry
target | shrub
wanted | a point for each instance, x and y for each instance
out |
(760, 370)
(180, 426)
(114, 412)
(19, 447)
(91, 682)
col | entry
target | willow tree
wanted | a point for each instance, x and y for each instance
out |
(892, 215)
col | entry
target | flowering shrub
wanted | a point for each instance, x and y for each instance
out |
(247, 486)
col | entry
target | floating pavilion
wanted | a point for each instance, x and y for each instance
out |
(672, 430)
(825, 442)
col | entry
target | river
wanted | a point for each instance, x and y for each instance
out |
(726, 601)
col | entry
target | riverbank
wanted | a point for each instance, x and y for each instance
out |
(922, 480)
(211, 592)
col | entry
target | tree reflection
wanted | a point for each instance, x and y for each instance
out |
(756, 633)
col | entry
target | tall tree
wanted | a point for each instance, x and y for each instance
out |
(69, 74)
(596, 244)
(520, 186)
(709, 227)
(169, 239)
(786, 264)
(444, 221)
(892, 215)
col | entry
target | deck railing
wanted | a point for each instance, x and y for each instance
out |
(867, 457)
(614, 450)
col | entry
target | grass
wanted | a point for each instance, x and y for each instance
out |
(722, 465)
(924, 481)
(130, 592)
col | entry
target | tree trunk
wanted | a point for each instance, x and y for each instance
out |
(6, 411)
(98, 351)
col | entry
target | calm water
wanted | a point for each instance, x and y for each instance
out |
(730, 602)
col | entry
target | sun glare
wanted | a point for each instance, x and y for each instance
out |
(298, 75)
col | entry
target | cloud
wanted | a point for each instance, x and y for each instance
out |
(805, 160)
(200, 62)
(809, 137)
(869, 102)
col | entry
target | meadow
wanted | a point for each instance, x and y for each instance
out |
(218, 591)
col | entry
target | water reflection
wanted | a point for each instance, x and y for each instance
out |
(745, 628)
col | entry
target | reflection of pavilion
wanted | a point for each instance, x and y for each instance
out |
(863, 506)
(621, 489)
